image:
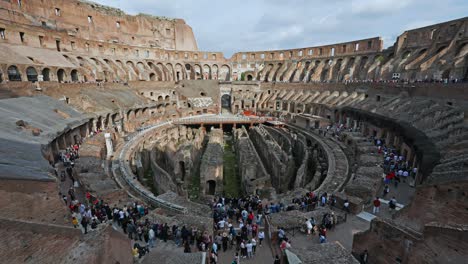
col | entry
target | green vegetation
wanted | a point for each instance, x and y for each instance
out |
(232, 184)
(242, 76)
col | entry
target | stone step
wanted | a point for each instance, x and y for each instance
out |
(366, 216)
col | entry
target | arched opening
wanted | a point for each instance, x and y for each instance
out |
(406, 54)
(167, 98)
(210, 187)
(46, 74)
(249, 77)
(160, 98)
(32, 74)
(13, 74)
(74, 75)
(152, 77)
(182, 170)
(226, 102)
(446, 74)
(61, 75)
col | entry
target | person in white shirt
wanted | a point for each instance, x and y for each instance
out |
(261, 236)
(249, 248)
(254, 245)
(221, 224)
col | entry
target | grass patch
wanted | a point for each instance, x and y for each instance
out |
(231, 181)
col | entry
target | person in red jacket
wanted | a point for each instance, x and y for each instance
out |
(376, 205)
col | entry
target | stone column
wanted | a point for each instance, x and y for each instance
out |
(109, 147)
(355, 125)
(348, 122)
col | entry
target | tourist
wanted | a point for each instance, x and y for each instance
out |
(151, 237)
(224, 241)
(214, 248)
(243, 249)
(84, 224)
(346, 206)
(322, 239)
(75, 222)
(386, 190)
(308, 226)
(364, 257)
(392, 203)
(261, 236)
(376, 205)
(254, 245)
(135, 252)
(249, 248)
(285, 245)
(214, 258)
(187, 248)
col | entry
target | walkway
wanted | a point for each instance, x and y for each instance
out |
(262, 256)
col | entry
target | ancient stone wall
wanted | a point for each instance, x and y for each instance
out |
(211, 167)
(254, 178)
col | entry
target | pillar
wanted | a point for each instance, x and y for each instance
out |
(348, 122)
(355, 125)
(109, 147)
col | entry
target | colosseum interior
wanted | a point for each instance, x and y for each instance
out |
(120, 122)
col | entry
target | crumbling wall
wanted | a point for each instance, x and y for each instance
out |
(254, 178)
(275, 159)
(211, 167)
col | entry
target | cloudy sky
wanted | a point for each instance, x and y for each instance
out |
(232, 26)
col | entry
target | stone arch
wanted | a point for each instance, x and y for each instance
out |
(158, 76)
(280, 65)
(304, 71)
(348, 70)
(153, 77)
(31, 73)
(360, 71)
(142, 71)
(336, 71)
(170, 69)
(226, 101)
(14, 74)
(179, 72)
(249, 77)
(406, 54)
(210, 187)
(74, 75)
(61, 75)
(197, 70)
(206, 72)
(167, 98)
(268, 69)
(214, 72)
(46, 74)
(189, 71)
(132, 70)
(225, 73)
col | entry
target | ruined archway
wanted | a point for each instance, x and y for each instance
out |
(210, 187)
(74, 76)
(226, 102)
(14, 74)
(31, 73)
(61, 75)
(46, 74)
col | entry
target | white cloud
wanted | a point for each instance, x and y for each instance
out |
(232, 26)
